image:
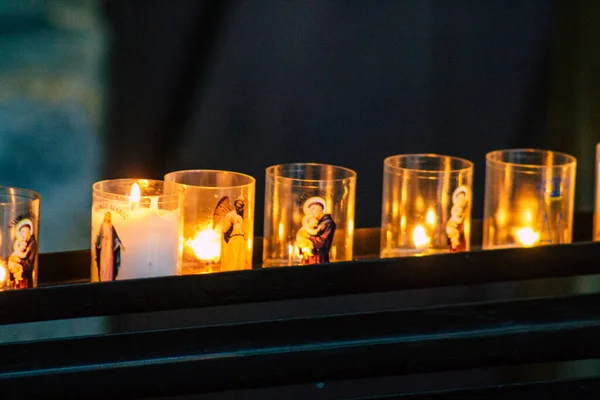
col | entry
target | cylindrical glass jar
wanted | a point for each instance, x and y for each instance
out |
(426, 205)
(218, 220)
(135, 230)
(529, 198)
(19, 238)
(309, 214)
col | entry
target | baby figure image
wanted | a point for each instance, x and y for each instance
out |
(310, 227)
(15, 263)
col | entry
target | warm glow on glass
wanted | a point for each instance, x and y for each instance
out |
(501, 217)
(395, 209)
(206, 245)
(420, 238)
(2, 273)
(528, 217)
(529, 198)
(527, 236)
(419, 203)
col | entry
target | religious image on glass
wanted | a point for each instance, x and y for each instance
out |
(231, 221)
(315, 236)
(21, 263)
(108, 250)
(455, 227)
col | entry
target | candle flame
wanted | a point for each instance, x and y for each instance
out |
(206, 245)
(420, 237)
(527, 236)
(135, 195)
(430, 218)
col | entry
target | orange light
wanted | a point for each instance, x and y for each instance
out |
(135, 196)
(420, 238)
(206, 245)
(430, 217)
(527, 236)
(528, 217)
(2, 273)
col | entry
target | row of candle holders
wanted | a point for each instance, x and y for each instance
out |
(201, 221)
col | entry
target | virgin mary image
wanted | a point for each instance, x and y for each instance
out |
(233, 243)
(108, 250)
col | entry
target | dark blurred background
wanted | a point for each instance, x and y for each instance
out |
(243, 84)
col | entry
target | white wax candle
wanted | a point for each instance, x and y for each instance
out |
(148, 240)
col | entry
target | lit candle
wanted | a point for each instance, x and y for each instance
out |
(420, 238)
(527, 237)
(135, 196)
(206, 245)
(132, 240)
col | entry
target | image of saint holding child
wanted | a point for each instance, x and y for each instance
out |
(315, 237)
(21, 263)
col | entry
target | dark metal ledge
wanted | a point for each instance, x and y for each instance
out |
(497, 324)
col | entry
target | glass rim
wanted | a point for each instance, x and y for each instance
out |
(120, 196)
(468, 165)
(251, 179)
(270, 172)
(491, 161)
(27, 195)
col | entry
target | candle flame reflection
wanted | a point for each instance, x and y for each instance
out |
(430, 217)
(528, 217)
(527, 236)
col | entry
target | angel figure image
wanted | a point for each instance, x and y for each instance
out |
(233, 241)
(455, 227)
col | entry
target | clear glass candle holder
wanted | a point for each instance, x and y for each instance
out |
(309, 214)
(19, 238)
(135, 230)
(426, 205)
(218, 220)
(529, 198)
